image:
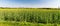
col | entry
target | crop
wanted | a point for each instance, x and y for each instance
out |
(35, 16)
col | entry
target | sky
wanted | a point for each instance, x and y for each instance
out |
(30, 3)
(59, 3)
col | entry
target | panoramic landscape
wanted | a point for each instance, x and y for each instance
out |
(29, 13)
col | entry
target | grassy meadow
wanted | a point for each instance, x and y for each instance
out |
(29, 17)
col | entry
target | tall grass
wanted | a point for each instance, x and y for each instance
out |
(35, 16)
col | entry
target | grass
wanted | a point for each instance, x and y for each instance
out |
(29, 17)
(23, 24)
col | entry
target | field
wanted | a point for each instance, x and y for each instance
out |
(29, 17)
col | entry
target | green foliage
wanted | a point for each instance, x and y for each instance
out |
(30, 15)
(23, 24)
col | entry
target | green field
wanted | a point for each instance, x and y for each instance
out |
(29, 17)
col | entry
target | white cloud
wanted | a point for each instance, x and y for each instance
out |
(53, 3)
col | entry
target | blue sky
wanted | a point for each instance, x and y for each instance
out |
(29, 3)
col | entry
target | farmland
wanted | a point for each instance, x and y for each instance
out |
(29, 17)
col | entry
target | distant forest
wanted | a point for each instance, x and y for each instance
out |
(26, 8)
